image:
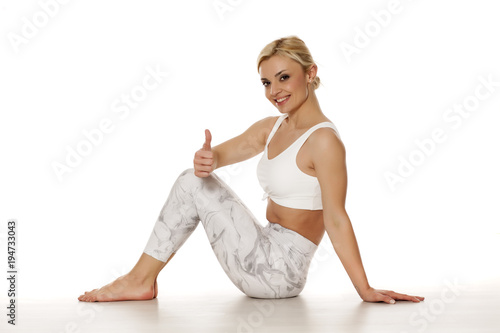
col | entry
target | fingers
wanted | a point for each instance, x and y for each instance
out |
(202, 170)
(208, 140)
(388, 299)
(203, 159)
(203, 154)
(404, 297)
(203, 163)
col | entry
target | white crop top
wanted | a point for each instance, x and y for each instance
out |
(281, 178)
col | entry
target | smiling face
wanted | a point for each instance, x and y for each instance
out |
(286, 83)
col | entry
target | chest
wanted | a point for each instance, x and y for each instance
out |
(282, 141)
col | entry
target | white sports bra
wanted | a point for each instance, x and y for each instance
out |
(281, 178)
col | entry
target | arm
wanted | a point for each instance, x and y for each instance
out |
(240, 148)
(244, 146)
(330, 166)
(332, 175)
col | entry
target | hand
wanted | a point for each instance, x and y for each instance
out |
(387, 296)
(204, 158)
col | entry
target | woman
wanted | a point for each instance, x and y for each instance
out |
(303, 173)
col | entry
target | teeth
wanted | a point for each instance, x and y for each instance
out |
(281, 100)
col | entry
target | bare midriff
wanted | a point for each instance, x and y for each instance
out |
(308, 223)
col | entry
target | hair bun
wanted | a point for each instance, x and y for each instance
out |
(316, 82)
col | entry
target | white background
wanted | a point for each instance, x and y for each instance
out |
(84, 230)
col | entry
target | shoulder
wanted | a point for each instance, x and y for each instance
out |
(269, 121)
(326, 139)
(261, 129)
(328, 157)
(265, 125)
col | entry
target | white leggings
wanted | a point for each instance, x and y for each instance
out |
(263, 262)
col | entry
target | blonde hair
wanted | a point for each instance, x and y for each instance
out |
(293, 48)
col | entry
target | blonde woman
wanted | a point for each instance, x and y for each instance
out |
(303, 174)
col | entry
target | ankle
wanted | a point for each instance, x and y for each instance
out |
(141, 278)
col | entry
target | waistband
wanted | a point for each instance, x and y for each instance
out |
(288, 236)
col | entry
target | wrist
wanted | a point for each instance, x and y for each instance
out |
(363, 290)
(216, 159)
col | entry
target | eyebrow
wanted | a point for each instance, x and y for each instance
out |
(277, 74)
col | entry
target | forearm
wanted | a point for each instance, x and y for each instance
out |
(344, 242)
(216, 158)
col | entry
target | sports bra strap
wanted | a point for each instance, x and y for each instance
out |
(275, 128)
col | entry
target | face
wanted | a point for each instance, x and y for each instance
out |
(285, 82)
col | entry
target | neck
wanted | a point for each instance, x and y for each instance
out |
(309, 112)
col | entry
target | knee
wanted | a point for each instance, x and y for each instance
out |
(188, 178)
(187, 173)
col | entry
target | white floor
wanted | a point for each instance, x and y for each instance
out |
(446, 309)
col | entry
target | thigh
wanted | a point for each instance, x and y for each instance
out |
(264, 262)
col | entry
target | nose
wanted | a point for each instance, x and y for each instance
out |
(275, 89)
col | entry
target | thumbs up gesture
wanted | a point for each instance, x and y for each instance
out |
(204, 158)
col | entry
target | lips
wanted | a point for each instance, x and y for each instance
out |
(282, 100)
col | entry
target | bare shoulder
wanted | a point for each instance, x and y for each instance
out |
(267, 123)
(326, 140)
(263, 127)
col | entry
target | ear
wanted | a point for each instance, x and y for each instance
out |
(311, 73)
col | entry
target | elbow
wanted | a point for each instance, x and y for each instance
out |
(336, 221)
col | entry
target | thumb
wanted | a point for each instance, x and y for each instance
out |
(208, 140)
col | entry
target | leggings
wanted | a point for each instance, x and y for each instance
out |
(262, 262)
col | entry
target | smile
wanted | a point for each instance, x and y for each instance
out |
(282, 100)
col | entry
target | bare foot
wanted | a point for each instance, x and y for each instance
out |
(125, 288)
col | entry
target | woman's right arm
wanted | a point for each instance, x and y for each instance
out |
(240, 148)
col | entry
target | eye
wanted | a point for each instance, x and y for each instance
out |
(265, 83)
(284, 77)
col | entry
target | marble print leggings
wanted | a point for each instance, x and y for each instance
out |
(263, 262)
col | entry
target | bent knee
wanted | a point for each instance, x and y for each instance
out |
(188, 178)
(188, 173)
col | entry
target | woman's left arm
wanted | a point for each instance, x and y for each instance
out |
(328, 156)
